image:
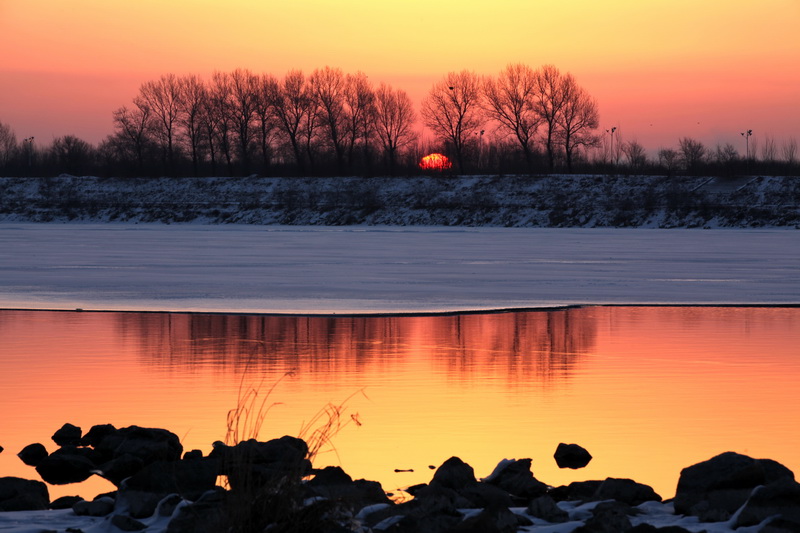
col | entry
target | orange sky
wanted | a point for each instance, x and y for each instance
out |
(660, 69)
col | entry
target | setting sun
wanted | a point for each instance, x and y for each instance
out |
(435, 162)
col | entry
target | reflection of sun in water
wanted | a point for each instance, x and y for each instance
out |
(435, 162)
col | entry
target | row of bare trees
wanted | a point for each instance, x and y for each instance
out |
(528, 106)
(241, 120)
(331, 122)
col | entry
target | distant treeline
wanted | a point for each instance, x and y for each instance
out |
(328, 123)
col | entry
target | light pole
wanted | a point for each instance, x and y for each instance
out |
(746, 135)
(611, 133)
(28, 142)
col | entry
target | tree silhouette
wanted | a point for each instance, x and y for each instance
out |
(452, 110)
(509, 99)
(394, 119)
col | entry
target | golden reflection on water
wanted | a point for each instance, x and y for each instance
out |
(647, 390)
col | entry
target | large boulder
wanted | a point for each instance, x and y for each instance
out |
(335, 484)
(252, 463)
(32, 454)
(67, 435)
(140, 494)
(123, 452)
(66, 465)
(780, 499)
(148, 444)
(17, 494)
(96, 434)
(714, 489)
(607, 517)
(454, 474)
(571, 456)
(545, 507)
(517, 479)
(626, 491)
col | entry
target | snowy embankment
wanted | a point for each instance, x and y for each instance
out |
(518, 201)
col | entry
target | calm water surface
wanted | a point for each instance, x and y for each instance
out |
(647, 390)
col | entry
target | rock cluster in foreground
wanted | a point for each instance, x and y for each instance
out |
(272, 485)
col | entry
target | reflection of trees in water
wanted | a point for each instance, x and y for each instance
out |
(542, 343)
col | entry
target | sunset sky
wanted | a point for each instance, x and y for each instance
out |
(660, 69)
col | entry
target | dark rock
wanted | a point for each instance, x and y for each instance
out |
(454, 474)
(137, 503)
(65, 502)
(576, 491)
(193, 454)
(167, 506)
(147, 444)
(545, 507)
(482, 495)
(189, 477)
(625, 491)
(714, 489)
(63, 467)
(607, 517)
(492, 520)
(101, 506)
(1, 449)
(430, 515)
(441, 496)
(253, 463)
(517, 479)
(68, 435)
(206, 515)
(126, 523)
(647, 528)
(334, 484)
(780, 498)
(32, 454)
(571, 456)
(17, 494)
(121, 467)
(96, 434)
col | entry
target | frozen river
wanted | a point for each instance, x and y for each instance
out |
(354, 269)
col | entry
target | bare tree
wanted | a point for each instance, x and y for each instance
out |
(359, 98)
(769, 151)
(220, 114)
(394, 120)
(291, 104)
(266, 120)
(243, 104)
(328, 85)
(509, 100)
(163, 98)
(132, 134)
(452, 110)
(192, 96)
(636, 155)
(550, 101)
(668, 158)
(8, 144)
(577, 120)
(789, 150)
(692, 153)
(71, 154)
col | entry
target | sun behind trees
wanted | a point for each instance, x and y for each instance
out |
(522, 120)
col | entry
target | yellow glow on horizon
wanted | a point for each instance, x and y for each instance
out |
(411, 44)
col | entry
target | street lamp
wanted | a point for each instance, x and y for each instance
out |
(611, 132)
(746, 135)
(28, 142)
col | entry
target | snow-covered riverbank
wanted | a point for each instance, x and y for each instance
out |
(519, 201)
